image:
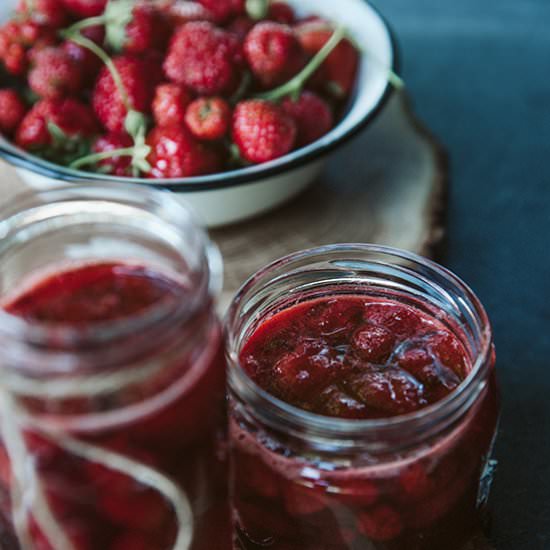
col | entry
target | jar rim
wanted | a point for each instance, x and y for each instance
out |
(25, 207)
(277, 411)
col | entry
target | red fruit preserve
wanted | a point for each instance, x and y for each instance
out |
(363, 404)
(113, 383)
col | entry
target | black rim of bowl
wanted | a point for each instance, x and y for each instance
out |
(233, 178)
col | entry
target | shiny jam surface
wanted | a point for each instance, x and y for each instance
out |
(183, 439)
(355, 357)
(359, 357)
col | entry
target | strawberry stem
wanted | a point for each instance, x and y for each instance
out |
(77, 38)
(97, 157)
(294, 86)
(85, 23)
(257, 9)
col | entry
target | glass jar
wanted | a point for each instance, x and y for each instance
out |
(304, 481)
(112, 431)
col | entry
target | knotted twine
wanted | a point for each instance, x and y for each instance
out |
(27, 493)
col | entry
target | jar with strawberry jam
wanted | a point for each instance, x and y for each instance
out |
(363, 404)
(112, 385)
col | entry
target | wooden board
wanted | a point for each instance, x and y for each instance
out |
(388, 186)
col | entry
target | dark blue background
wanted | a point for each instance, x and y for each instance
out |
(479, 74)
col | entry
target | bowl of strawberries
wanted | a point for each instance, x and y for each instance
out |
(233, 105)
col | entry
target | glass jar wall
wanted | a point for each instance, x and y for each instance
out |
(113, 378)
(386, 457)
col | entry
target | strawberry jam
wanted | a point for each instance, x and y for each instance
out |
(170, 421)
(355, 357)
(362, 410)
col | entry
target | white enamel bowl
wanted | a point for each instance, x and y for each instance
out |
(225, 198)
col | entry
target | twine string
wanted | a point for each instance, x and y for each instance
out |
(27, 491)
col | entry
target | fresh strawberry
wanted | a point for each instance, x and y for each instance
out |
(57, 126)
(204, 58)
(170, 104)
(139, 83)
(337, 74)
(89, 63)
(15, 59)
(281, 12)
(208, 118)
(273, 53)
(49, 13)
(85, 8)
(144, 30)
(176, 154)
(179, 12)
(241, 26)
(312, 116)
(54, 73)
(262, 130)
(12, 111)
(222, 10)
(117, 165)
(16, 37)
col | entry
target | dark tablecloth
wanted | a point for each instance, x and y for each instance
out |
(479, 73)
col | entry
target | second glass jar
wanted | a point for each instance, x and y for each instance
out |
(113, 393)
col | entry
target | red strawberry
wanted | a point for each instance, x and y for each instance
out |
(203, 58)
(54, 73)
(118, 165)
(241, 26)
(176, 154)
(170, 104)
(337, 74)
(107, 100)
(262, 130)
(12, 111)
(208, 118)
(222, 10)
(144, 31)
(88, 62)
(179, 12)
(281, 12)
(380, 524)
(273, 53)
(312, 116)
(85, 8)
(75, 119)
(49, 13)
(15, 39)
(15, 59)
